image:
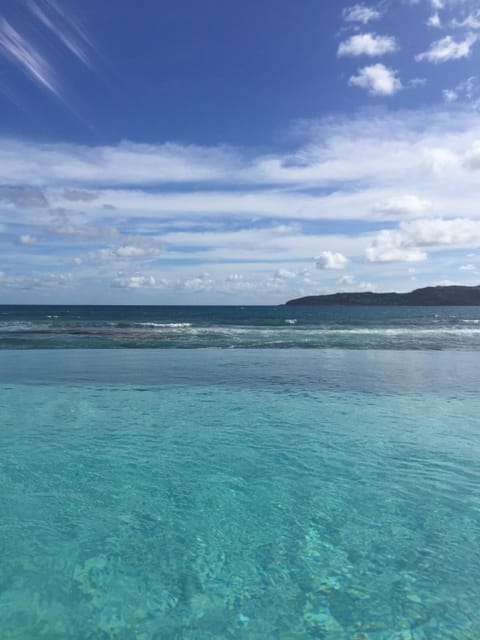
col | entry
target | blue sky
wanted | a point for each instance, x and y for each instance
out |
(165, 152)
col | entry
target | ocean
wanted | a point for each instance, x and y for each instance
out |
(217, 473)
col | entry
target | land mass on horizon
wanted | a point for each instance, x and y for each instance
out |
(453, 295)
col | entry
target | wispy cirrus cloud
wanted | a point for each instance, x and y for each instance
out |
(28, 58)
(21, 45)
(60, 23)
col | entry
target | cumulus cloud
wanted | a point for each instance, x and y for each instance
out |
(203, 282)
(367, 44)
(360, 13)
(448, 49)
(403, 205)
(406, 243)
(378, 80)
(331, 260)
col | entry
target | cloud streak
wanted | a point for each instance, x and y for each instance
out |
(58, 22)
(28, 58)
(29, 53)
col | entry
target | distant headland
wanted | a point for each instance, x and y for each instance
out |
(454, 295)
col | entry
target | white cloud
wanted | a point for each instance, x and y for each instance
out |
(467, 267)
(439, 160)
(27, 239)
(378, 80)
(285, 274)
(361, 13)
(434, 21)
(467, 90)
(377, 166)
(331, 260)
(450, 95)
(448, 49)
(388, 253)
(203, 282)
(234, 277)
(405, 243)
(417, 82)
(347, 279)
(124, 252)
(472, 157)
(35, 281)
(78, 167)
(129, 251)
(472, 21)
(368, 44)
(137, 281)
(404, 205)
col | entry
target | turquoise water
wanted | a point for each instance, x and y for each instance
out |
(246, 494)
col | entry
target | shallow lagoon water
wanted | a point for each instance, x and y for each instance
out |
(212, 494)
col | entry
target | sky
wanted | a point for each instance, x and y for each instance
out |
(226, 152)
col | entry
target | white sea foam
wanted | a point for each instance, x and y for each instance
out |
(166, 325)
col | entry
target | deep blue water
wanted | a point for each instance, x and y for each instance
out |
(50, 327)
(244, 494)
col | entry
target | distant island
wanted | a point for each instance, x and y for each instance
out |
(454, 295)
